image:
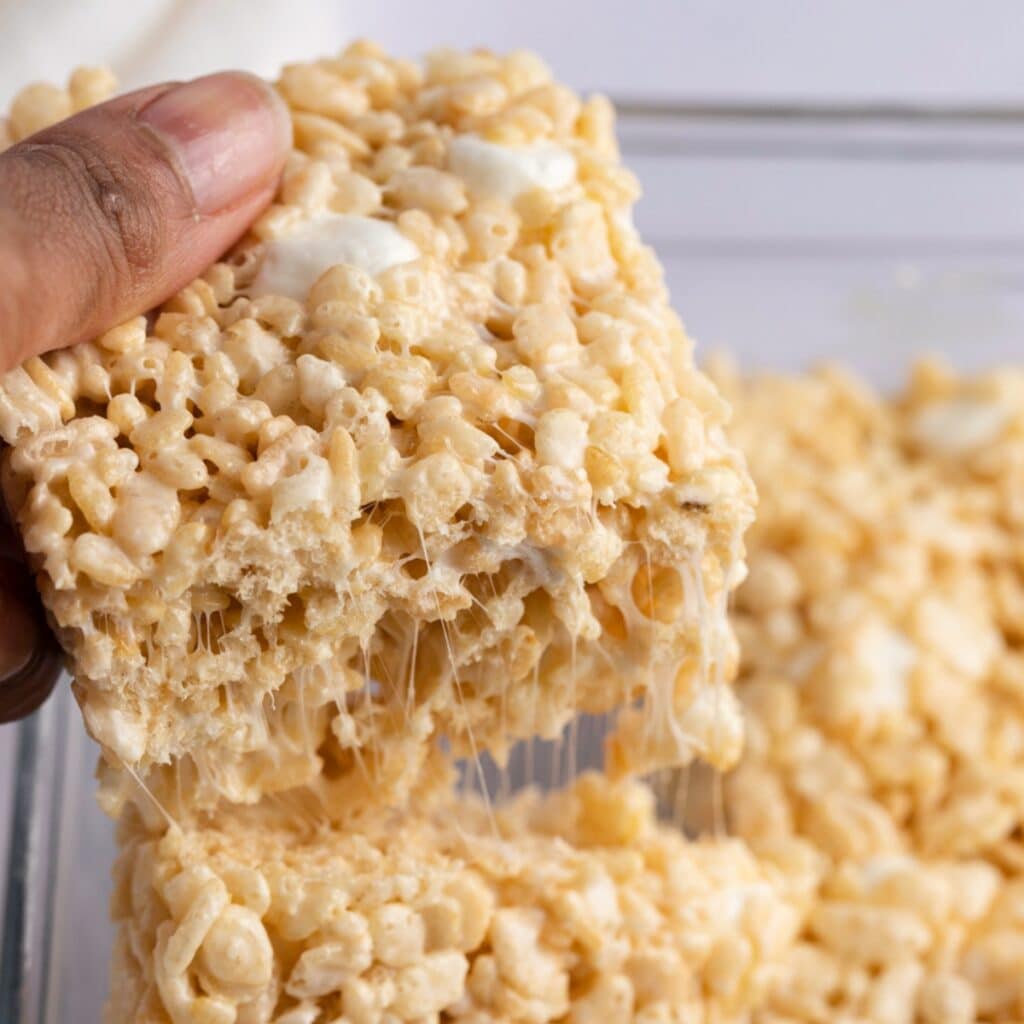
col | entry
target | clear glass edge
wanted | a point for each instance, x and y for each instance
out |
(36, 843)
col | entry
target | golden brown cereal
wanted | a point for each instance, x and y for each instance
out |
(426, 455)
(880, 628)
(575, 907)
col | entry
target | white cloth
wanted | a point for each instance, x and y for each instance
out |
(853, 50)
(147, 41)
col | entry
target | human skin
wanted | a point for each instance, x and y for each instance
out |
(103, 216)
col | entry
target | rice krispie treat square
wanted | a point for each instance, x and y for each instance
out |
(425, 456)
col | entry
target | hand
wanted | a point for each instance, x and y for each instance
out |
(102, 217)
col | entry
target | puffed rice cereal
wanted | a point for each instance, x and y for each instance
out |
(577, 907)
(882, 679)
(426, 455)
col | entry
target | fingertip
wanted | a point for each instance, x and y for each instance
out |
(282, 131)
(274, 119)
(109, 213)
(228, 134)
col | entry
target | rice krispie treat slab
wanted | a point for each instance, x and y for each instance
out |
(579, 907)
(881, 677)
(426, 455)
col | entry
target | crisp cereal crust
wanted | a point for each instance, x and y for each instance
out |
(883, 685)
(577, 907)
(466, 482)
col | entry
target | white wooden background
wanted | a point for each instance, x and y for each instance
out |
(772, 312)
(793, 48)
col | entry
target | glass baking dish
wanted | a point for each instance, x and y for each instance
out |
(789, 235)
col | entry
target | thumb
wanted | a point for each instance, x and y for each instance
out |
(106, 214)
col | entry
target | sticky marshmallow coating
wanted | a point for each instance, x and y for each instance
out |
(576, 907)
(461, 479)
(881, 679)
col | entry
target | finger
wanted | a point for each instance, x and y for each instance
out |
(30, 659)
(108, 213)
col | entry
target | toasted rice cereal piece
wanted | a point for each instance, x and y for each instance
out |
(427, 453)
(881, 680)
(573, 907)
